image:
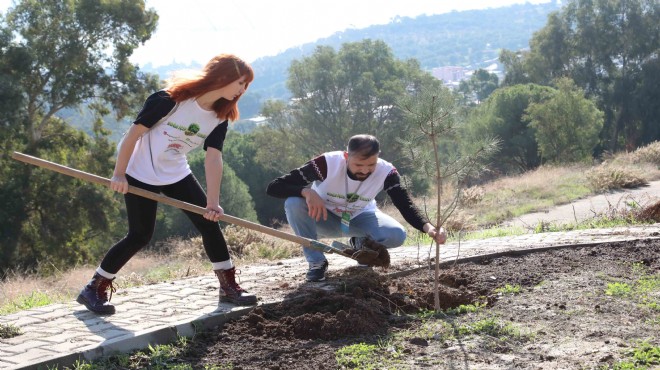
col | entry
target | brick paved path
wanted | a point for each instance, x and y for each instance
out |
(63, 333)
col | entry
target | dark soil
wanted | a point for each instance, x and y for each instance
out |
(570, 321)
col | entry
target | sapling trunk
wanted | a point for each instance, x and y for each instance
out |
(438, 223)
(432, 111)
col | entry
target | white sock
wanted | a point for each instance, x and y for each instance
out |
(105, 274)
(224, 265)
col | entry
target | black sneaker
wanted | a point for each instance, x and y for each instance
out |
(317, 271)
(356, 242)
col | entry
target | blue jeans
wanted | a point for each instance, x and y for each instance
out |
(379, 226)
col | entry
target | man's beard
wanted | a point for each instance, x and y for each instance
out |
(358, 176)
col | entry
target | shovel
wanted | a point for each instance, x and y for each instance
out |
(363, 256)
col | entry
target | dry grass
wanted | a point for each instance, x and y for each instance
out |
(18, 289)
(492, 203)
(489, 205)
(608, 177)
(649, 154)
(626, 170)
(175, 259)
(252, 246)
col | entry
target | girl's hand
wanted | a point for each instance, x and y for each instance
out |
(119, 184)
(214, 212)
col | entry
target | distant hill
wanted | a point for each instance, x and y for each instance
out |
(470, 39)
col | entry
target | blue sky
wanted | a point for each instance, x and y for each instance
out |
(196, 30)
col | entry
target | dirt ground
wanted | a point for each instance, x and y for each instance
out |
(561, 318)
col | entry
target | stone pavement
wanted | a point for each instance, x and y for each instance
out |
(60, 334)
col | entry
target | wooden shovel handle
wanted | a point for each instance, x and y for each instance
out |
(162, 198)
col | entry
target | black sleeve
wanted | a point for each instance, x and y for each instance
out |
(216, 138)
(402, 201)
(157, 106)
(291, 184)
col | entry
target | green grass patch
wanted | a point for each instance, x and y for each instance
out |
(604, 221)
(9, 331)
(491, 232)
(573, 189)
(162, 273)
(643, 356)
(432, 329)
(425, 314)
(156, 357)
(493, 333)
(643, 290)
(618, 289)
(465, 308)
(509, 289)
(491, 327)
(32, 300)
(359, 356)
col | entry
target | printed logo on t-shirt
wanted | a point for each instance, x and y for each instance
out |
(176, 143)
(193, 128)
(190, 138)
(345, 203)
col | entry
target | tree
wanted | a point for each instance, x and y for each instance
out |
(279, 140)
(480, 85)
(607, 47)
(502, 116)
(339, 94)
(432, 116)
(566, 124)
(57, 54)
(514, 68)
(78, 51)
(240, 152)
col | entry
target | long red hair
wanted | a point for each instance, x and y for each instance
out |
(219, 72)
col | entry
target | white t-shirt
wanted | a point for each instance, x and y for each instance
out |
(335, 193)
(159, 157)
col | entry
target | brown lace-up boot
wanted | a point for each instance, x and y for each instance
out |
(95, 295)
(230, 291)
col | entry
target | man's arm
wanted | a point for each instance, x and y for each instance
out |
(402, 201)
(293, 183)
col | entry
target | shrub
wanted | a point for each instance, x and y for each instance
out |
(650, 213)
(472, 195)
(609, 177)
(248, 244)
(647, 154)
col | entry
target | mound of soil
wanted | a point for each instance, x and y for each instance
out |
(306, 329)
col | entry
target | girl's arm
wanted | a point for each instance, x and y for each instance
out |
(213, 171)
(118, 181)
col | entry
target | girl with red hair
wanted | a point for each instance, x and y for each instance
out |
(192, 111)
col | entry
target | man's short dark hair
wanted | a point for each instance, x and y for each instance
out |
(363, 145)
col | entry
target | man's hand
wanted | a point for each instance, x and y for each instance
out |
(213, 212)
(316, 207)
(438, 235)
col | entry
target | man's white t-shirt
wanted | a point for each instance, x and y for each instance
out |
(342, 194)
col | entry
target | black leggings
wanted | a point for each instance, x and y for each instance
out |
(142, 221)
